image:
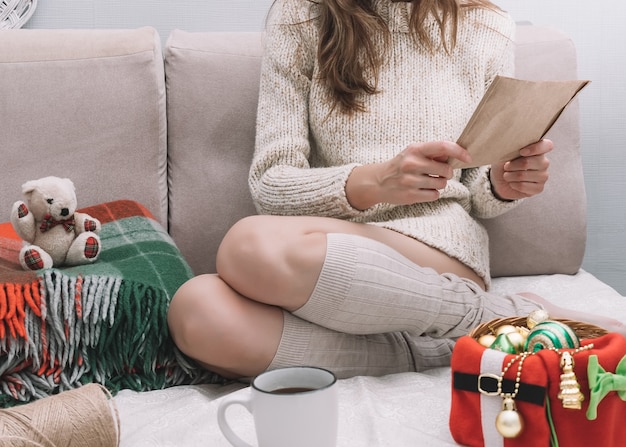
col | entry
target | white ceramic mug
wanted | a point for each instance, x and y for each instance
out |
(295, 406)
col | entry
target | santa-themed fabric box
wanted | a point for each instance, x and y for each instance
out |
(599, 371)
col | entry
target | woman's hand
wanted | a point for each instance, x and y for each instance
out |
(416, 174)
(524, 176)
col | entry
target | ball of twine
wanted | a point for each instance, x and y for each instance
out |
(85, 416)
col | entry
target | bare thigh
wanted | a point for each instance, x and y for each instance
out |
(276, 260)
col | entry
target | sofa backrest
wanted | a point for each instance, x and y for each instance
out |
(212, 90)
(92, 106)
(88, 105)
(212, 87)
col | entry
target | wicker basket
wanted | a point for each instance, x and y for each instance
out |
(582, 330)
(15, 13)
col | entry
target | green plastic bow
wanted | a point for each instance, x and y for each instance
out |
(602, 383)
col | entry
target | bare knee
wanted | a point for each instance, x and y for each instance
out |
(271, 259)
(222, 330)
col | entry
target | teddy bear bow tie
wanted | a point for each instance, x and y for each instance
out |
(49, 222)
(602, 383)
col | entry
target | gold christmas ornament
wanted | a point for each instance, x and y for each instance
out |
(536, 317)
(487, 340)
(517, 340)
(505, 329)
(509, 422)
(570, 393)
(524, 331)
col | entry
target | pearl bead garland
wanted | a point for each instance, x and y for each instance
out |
(509, 422)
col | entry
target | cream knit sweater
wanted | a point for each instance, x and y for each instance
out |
(304, 155)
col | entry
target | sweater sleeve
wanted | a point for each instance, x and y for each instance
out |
(485, 205)
(281, 178)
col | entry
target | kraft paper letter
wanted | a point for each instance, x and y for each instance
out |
(513, 114)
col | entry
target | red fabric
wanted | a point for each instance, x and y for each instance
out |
(465, 414)
(120, 209)
(465, 425)
(572, 427)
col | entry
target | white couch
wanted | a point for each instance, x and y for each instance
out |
(174, 130)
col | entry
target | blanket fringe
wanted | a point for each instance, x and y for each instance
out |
(61, 332)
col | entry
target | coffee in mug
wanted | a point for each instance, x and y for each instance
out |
(294, 406)
(292, 390)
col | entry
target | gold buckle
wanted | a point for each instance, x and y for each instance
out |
(495, 377)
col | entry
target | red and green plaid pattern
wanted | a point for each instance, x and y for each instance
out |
(103, 322)
(49, 222)
(91, 247)
(33, 260)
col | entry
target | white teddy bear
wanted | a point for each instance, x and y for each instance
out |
(54, 233)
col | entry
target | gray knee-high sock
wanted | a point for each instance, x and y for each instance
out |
(366, 287)
(348, 355)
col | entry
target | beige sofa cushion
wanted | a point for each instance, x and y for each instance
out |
(212, 92)
(88, 105)
(212, 85)
(546, 234)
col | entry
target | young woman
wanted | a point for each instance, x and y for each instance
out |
(366, 256)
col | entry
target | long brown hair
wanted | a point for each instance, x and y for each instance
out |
(348, 55)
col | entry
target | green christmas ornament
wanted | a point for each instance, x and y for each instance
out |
(551, 335)
(504, 344)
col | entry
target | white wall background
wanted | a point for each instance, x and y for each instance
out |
(597, 28)
(164, 15)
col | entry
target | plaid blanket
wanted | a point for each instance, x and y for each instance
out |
(103, 323)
